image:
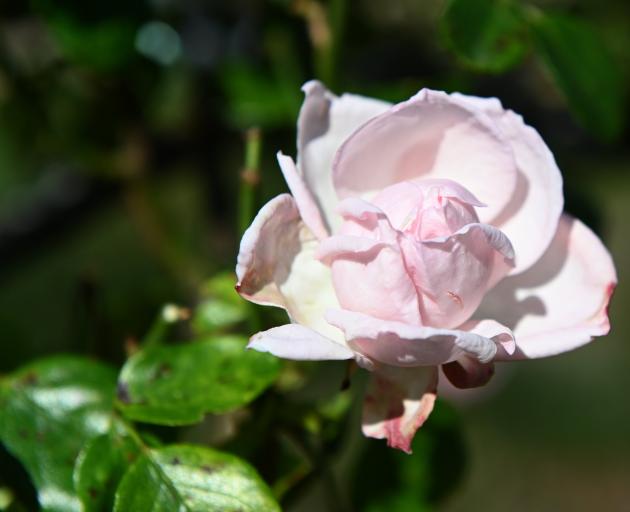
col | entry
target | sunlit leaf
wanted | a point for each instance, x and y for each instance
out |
(100, 467)
(192, 478)
(584, 70)
(485, 34)
(178, 384)
(221, 306)
(49, 410)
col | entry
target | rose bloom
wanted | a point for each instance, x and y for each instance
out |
(419, 236)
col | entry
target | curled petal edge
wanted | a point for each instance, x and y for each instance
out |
(294, 341)
(397, 403)
(404, 345)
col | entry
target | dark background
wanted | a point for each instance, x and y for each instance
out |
(121, 149)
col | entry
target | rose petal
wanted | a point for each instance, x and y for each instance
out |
(354, 208)
(276, 266)
(401, 344)
(325, 121)
(453, 273)
(561, 302)
(398, 401)
(467, 372)
(367, 265)
(375, 282)
(309, 211)
(531, 216)
(297, 342)
(448, 201)
(429, 136)
(356, 248)
(492, 329)
(256, 261)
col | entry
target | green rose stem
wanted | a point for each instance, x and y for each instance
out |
(337, 10)
(316, 465)
(169, 315)
(250, 177)
(319, 453)
(325, 27)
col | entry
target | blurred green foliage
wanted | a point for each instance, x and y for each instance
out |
(125, 182)
(487, 35)
(585, 72)
(219, 306)
(493, 36)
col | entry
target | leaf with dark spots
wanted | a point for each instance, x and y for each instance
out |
(122, 392)
(208, 469)
(178, 384)
(231, 485)
(100, 467)
(30, 379)
(164, 370)
(51, 408)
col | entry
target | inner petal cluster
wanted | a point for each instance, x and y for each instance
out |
(416, 253)
(426, 209)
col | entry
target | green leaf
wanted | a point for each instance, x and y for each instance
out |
(50, 408)
(584, 70)
(486, 34)
(177, 384)
(192, 478)
(222, 306)
(100, 467)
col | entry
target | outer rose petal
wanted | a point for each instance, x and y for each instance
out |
(309, 211)
(294, 341)
(492, 329)
(467, 372)
(429, 136)
(325, 122)
(400, 344)
(453, 273)
(531, 216)
(561, 302)
(398, 401)
(276, 266)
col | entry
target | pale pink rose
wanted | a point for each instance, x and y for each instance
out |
(419, 235)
